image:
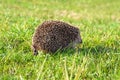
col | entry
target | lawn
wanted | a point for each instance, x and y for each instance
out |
(99, 54)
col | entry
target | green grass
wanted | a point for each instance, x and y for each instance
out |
(98, 58)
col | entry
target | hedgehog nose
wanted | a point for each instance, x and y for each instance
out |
(35, 52)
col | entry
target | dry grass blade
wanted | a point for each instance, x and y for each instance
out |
(78, 73)
(65, 70)
(41, 69)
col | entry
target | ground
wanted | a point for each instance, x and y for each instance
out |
(97, 59)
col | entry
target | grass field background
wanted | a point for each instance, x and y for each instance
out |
(98, 58)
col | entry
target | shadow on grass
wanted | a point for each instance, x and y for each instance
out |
(98, 49)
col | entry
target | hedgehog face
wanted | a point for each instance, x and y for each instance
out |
(35, 52)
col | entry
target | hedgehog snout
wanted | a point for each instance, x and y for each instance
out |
(35, 52)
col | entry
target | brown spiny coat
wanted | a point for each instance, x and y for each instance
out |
(53, 35)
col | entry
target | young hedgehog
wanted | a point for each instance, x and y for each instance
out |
(51, 36)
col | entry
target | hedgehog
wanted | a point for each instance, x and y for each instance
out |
(51, 36)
